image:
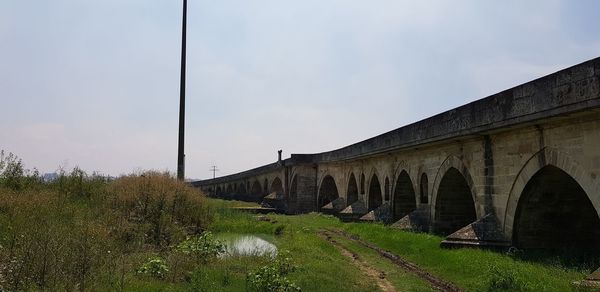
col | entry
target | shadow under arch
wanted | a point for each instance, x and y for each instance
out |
(403, 198)
(328, 191)
(454, 201)
(374, 195)
(256, 190)
(554, 213)
(551, 177)
(277, 186)
(351, 190)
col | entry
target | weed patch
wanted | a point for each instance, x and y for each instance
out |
(155, 267)
(272, 277)
(88, 232)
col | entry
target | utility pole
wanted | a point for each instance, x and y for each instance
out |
(181, 146)
(214, 170)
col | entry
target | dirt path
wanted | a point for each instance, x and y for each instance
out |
(435, 282)
(371, 272)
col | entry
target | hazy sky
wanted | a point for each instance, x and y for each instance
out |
(95, 83)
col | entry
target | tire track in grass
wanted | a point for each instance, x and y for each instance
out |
(435, 282)
(371, 272)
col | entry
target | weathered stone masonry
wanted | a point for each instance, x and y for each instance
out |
(517, 168)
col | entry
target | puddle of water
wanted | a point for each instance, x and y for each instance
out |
(247, 245)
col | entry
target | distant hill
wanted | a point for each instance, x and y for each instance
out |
(48, 177)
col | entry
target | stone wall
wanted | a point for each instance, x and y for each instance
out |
(479, 159)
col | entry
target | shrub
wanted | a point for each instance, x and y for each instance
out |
(71, 233)
(48, 242)
(12, 172)
(167, 209)
(272, 277)
(203, 247)
(155, 267)
(78, 184)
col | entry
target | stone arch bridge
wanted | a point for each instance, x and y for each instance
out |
(521, 167)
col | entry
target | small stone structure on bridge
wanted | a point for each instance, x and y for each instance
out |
(518, 168)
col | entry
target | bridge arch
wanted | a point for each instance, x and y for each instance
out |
(454, 197)
(229, 189)
(404, 200)
(242, 189)
(277, 186)
(375, 198)
(351, 190)
(558, 194)
(401, 167)
(256, 190)
(219, 191)
(328, 191)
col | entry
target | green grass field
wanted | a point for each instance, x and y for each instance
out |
(323, 267)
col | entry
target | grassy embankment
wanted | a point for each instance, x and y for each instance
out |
(470, 269)
(320, 267)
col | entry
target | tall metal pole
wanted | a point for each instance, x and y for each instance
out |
(181, 152)
(214, 170)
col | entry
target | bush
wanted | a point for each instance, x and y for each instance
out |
(155, 267)
(166, 209)
(48, 242)
(203, 247)
(79, 185)
(71, 233)
(273, 277)
(13, 174)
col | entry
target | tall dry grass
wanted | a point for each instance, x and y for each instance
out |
(85, 232)
(166, 209)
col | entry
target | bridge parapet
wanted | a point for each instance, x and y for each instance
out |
(566, 91)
